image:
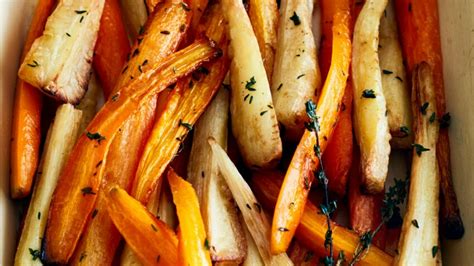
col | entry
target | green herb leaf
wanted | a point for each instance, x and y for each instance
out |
(87, 191)
(419, 148)
(34, 64)
(405, 130)
(432, 117)
(35, 254)
(206, 244)
(154, 227)
(434, 251)
(186, 125)
(80, 11)
(369, 94)
(95, 136)
(249, 84)
(300, 76)
(387, 72)
(296, 20)
(38, 215)
(445, 121)
(424, 107)
(414, 222)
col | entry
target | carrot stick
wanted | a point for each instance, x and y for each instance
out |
(153, 242)
(168, 133)
(193, 245)
(112, 46)
(100, 240)
(299, 175)
(77, 188)
(312, 229)
(365, 209)
(419, 23)
(338, 154)
(26, 130)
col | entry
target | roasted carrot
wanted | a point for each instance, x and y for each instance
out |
(151, 4)
(264, 18)
(312, 229)
(365, 209)
(100, 240)
(112, 46)
(26, 130)
(419, 23)
(338, 155)
(299, 175)
(168, 133)
(77, 188)
(193, 245)
(153, 242)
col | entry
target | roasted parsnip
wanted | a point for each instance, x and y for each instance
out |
(263, 15)
(296, 74)
(77, 188)
(217, 205)
(254, 122)
(420, 224)
(59, 61)
(370, 121)
(88, 104)
(135, 14)
(252, 258)
(394, 81)
(61, 138)
(151, 239)
(252, 212)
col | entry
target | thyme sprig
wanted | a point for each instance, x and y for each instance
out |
(395, 196)
(328, 206)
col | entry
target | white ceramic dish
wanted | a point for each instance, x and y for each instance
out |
(457, 32)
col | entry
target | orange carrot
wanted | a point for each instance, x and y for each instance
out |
(365, 209)
(311, 232)
(193, 245)
(26, 130)
(112, 46)
(419, 23)
(169, 132)
(100, 239)
(77, 188)
(150, 239)
(299, 175)
(338, 155)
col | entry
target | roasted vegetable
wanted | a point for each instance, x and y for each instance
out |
(370, 122)
(151, 240)
(420, 224)
(59, 61)
(26, 131)
(135, 14)
(224, 231)
(299, 175)
(296, 76)
(394, 81)
(61, 138)
(254, 123)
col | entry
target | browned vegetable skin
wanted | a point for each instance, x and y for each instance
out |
(59, 61)
(418, 243)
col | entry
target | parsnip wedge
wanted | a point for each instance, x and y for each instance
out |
(253, 256)
(263, 15)
(418, 243)
(59, 61)
(88, 104)
(394, 83)
(216, 203)
(370, 121)
(254, 122)
(252, 212)
(61, 138)
(296, 75)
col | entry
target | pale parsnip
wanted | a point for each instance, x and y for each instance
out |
(296, 74)
(420, 225)
(394, 83)
(263, 15)
(254, 122)
(61, 138)
(218, 211)
(316, 23)
(59, 61)
(252, 212)
(135, 13)
(370, 120)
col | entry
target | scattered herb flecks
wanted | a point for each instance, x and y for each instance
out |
(87, 191)
(419, 149)
(424, 107)
(35, 254)
(188, 126)
(95, 136)
(296, 19)
(369, 94)
(414, 222)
